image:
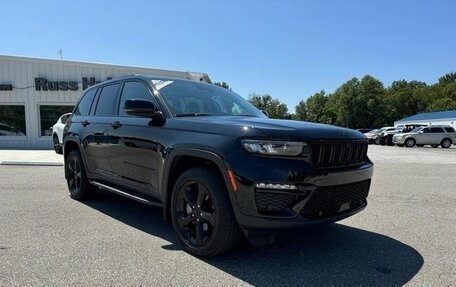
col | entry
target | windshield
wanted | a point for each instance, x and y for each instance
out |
(185, 98)
(415, 130)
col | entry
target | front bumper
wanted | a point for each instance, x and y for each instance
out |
(398, 140)
(321, 196)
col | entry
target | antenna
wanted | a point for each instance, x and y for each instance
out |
(61, 54)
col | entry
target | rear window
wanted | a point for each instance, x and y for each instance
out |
(449, 129)
(84, 105)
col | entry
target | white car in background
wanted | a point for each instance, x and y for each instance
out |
(57, 132)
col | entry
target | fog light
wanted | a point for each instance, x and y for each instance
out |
(276, 186)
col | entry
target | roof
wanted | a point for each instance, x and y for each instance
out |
(430, 116)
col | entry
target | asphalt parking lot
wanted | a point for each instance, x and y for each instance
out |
(406, 235)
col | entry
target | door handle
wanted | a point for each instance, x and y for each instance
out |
(85, 123)
(116, 124)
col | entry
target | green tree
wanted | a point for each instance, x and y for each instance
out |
(301, 111)
(316, 107)
(222, 84)
(273, 107)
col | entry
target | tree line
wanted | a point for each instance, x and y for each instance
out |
(366, 102)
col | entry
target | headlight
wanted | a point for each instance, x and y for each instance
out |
(278, 148)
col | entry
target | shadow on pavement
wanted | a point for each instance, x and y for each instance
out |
(334, 255)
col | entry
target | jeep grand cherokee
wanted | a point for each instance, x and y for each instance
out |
(217, 165)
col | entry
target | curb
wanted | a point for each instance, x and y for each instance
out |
(31, 163)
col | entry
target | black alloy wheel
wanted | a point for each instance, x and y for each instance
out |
(195, 214)
(446, 143)
(57, 146)
(202, 215)
(409, 142)
(77, 181)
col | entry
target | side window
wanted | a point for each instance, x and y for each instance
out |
(449, 129)
(107, 100)
(426, 131)
(86, 102)
(436, 130)
(133, 90)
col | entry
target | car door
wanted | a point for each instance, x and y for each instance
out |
(436, 135)
(134, 150)
(424, 136)
(97, 141)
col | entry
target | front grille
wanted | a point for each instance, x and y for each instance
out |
(329, 201)
(267, 201)
(338, 154)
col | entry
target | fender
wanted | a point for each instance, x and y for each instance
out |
(77, 140)
(204, 154)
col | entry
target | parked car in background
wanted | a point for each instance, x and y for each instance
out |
(57, 132)
(364, 130)
(444, 136)
(372, 135)
(386, 135)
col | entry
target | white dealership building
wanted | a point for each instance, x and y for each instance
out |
(35, 92)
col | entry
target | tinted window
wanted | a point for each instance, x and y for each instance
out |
(437, 130)
(12, 120)
(107, 100)
(85, 103)
(133, 90)
(426, 131)
(449, 129)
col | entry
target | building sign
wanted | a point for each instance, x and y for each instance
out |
(6, 87)
(42, 84)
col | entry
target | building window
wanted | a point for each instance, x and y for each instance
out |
(49, 116)
(12, 120)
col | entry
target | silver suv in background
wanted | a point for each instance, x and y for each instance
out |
(444, 136)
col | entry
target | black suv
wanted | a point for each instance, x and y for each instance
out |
(217, 165)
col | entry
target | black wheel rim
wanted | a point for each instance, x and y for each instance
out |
(74, 175)
(56, 144)
(195, 214)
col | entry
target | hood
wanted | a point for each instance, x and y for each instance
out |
(266, 128)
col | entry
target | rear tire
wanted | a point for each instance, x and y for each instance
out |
(202, 214)
(77, 181)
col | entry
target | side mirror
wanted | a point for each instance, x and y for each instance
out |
(143, 108)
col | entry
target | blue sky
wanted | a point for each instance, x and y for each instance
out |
(288, 49)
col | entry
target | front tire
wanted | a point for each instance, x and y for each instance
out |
(409, 142)
(77, 181)
(57, 146)
(202, 214)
